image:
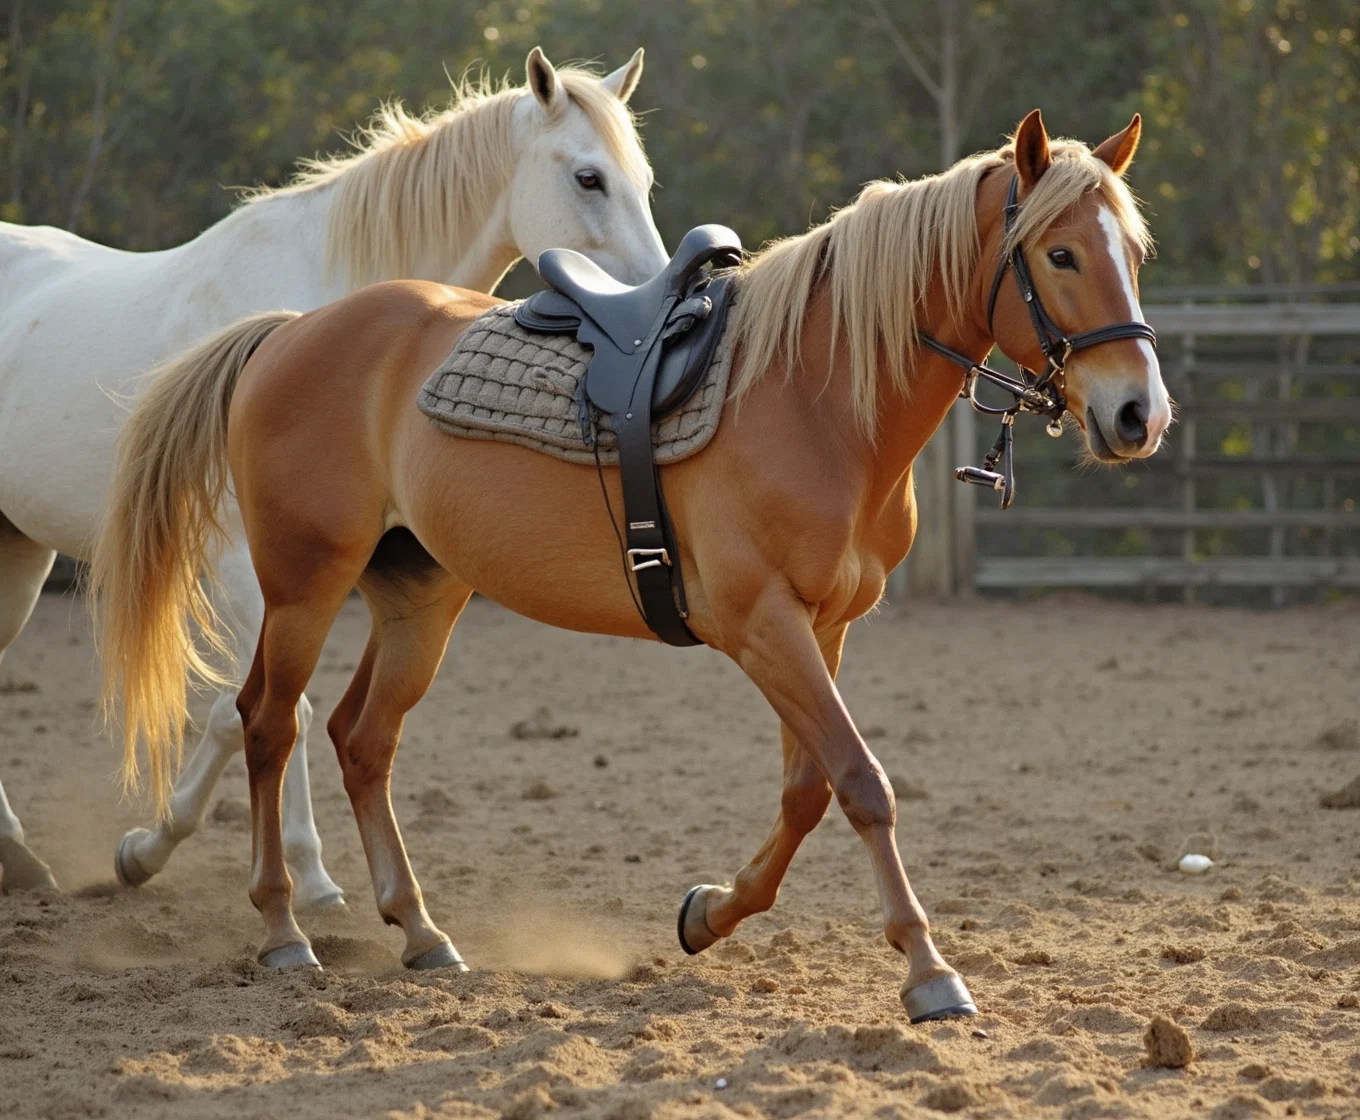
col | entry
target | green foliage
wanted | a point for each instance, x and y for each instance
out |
(124, 120)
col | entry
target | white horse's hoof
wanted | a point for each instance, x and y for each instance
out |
(297, 955)
(944, 997)
(130, 873)
(692, 925)
(332, 900)
(443, 955)
(23, 871)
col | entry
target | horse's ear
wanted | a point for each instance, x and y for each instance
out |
(543, 79)
(1032, 157)
(1118, 150)
(624, 80)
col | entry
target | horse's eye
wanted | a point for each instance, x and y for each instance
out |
(1062, 258)
(590, 180)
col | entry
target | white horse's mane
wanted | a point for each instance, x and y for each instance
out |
(411, 182)
(879, 254)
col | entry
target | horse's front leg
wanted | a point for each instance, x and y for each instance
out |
(710, 913)
(779, 651)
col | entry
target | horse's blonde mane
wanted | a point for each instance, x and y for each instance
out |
(412, 182)
(878, 256)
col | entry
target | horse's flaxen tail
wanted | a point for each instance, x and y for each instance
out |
(162, 518)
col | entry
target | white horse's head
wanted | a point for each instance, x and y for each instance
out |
(581, 179)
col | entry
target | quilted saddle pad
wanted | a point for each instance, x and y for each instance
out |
(505, 383)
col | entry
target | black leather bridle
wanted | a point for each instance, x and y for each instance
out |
(1041, 394)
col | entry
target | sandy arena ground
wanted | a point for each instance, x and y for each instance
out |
(1040, 823)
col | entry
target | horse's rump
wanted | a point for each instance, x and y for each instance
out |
(502, 382)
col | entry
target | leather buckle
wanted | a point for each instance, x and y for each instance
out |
(656, 557)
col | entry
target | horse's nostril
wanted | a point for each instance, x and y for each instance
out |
(1131, 422)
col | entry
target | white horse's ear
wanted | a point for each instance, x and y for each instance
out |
(543, 79)
(624, 80)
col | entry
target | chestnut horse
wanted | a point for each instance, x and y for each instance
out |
(789, 520)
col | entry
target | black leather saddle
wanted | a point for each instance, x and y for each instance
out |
(651, 346)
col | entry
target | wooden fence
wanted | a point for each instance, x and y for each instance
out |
(1259, 486)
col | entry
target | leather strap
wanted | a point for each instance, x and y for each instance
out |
(651, 552)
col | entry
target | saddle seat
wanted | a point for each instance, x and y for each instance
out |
(626, 314)
(623, 324)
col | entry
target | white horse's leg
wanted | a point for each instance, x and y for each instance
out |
(143, 852)
(312, 886)
(24, 565)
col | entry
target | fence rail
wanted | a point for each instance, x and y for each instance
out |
(1317, 573)
(1239, 442)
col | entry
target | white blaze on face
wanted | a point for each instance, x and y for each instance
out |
(1159, 404)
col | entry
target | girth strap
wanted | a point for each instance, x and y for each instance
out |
(650, 548)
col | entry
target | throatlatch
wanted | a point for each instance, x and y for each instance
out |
(1039, 394)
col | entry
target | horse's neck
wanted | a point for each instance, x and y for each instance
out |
(905, 421)
(278, 246)
(487, 258)
(273, 249)
(908, 420)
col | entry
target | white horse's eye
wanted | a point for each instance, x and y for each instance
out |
(590, 180)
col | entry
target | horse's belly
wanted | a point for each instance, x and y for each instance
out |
(527, 531)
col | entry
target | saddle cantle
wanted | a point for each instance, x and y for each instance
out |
(650, 347)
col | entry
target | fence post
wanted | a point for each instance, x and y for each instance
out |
(1187, 457)
(930, 565)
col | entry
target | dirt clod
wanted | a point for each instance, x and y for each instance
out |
(1167, 1043)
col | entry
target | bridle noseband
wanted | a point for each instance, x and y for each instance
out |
(1040, 394)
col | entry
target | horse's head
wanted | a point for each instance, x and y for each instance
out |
(1084, 263)
(581, 180)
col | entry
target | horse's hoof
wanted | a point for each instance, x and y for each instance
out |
(334, 900)
(130, 873)
(443, 955)
(944, 997)
(297, 955)
(23, 871)
(692, 925)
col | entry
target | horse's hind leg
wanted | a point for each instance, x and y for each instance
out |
(414, 606)
(710, 913)
(24, 565)
(290, 644)
(143, 852)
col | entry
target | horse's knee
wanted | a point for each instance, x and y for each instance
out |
(866, 797)
(365, 763)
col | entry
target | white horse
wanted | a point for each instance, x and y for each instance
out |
(457, 197)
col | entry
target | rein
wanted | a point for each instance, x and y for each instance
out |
(1039, 394)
